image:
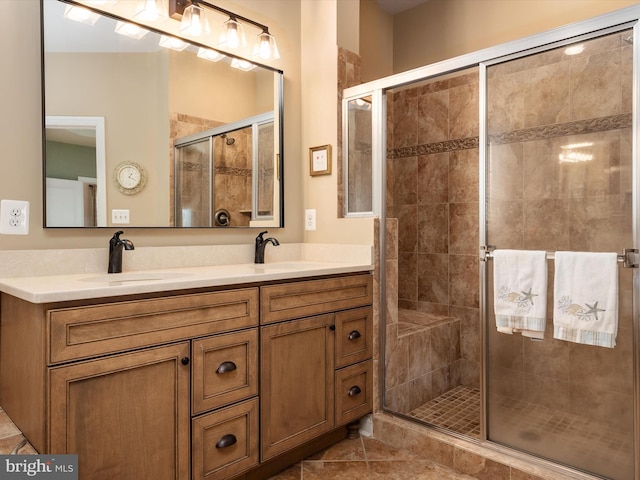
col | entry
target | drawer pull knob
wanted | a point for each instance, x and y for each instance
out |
(332, 327)
(226, 441)
(355, 390)
(185, 360)
(226, 367)
(354, 335)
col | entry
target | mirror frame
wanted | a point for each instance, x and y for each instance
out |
(278, 111)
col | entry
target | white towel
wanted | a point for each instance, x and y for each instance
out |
(520, 291)
(585, 295)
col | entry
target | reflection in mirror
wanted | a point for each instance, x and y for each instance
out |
(75, 153)
(359, 162)
(240, 190)
(150, 99)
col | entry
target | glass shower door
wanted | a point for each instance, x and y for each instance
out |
(193, 184)
(559, 177)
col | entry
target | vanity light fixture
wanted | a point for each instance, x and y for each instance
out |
(194, 21)
(266, 47)
(80, 14)
(232, 36)
(130, 30)
(150, 11)
(209, 54)
(172, 43)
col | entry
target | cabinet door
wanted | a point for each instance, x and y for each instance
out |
(127, 416)
(296, 389)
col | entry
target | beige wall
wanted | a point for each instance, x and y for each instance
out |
(441, 29)
(376, 41)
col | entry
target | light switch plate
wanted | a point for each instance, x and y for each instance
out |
(14, 217)
(120, 216)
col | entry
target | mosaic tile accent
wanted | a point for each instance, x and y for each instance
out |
(613, 122)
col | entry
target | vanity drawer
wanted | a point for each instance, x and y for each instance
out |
(90, 331)
(354, 392)
(224, 369)
(354, 336)
(225, 442)
(301, 299)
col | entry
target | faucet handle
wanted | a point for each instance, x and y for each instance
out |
(259, 238)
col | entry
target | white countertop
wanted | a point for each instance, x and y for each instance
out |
(54, 288)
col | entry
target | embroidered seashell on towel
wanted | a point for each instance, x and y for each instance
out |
(585, 292)
(520, 291)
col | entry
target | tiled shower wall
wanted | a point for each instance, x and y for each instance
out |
(432, 194)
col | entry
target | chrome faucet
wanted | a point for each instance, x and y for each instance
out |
(261, 243)
(116, 244)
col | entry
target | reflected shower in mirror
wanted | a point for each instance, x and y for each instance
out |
(151, 99)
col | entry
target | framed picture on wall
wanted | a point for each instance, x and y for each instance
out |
(320, 160)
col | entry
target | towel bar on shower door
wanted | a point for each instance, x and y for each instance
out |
(627, 257)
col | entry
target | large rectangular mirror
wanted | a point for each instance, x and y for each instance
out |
(141, 135)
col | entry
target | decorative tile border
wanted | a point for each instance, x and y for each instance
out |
(613, 122)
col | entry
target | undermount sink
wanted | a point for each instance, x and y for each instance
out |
(134, 277)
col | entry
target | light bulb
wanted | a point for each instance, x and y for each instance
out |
(194, 21)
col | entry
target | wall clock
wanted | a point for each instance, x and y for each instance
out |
(130, 178)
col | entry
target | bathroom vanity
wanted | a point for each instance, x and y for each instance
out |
(188, 380)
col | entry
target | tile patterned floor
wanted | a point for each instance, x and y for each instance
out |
(359, 459)
(458, 410)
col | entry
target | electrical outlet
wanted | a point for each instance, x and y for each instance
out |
(14, 217)
(120, 216)
(310, 219)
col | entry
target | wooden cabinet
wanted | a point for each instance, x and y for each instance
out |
(296, 374)
(302, 394)
(116, 411)
(131, 386)
(189, 385)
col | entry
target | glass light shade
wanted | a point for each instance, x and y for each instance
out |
(80, 14)
(172, 43)
(130, 30)
(266, 47)
(209, 54)
(194, 21)
(150, 11)
(242, 64)
(233, 35)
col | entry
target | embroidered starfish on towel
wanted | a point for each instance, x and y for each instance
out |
(593, 310)
(528, 296)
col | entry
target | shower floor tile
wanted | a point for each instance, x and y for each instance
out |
(458, 410)
(554, 434)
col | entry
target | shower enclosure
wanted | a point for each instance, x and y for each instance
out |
(530, 146)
